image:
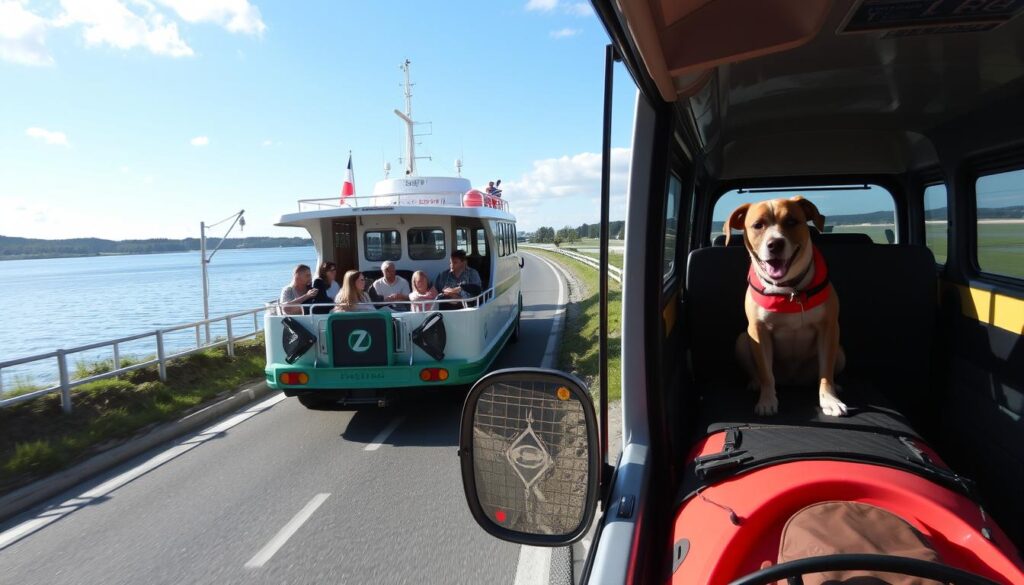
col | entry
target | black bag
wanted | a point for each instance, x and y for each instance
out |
(296, 339)
(430, 336)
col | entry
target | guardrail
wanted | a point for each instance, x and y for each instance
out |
(162, 357)
(614, 272)
(396, 199)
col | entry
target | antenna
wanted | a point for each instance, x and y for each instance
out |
(387, 169)
(458, 166)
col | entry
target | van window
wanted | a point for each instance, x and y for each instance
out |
(858, 209)
(462, 239)
(382, 245)
(426, 243)
(1000, 212)
(936, 226)
(668, 262)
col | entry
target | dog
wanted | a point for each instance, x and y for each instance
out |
(792, 334)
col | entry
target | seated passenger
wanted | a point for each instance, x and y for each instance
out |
(353, 295)
(422, 291)
(391, 287)
(459, 282)
(327, 285)
(298, 292)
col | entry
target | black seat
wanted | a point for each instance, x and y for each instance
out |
(887, 317)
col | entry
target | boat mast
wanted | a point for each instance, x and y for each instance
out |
(410, 144)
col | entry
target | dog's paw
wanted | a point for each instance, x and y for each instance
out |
(767, 405)
(831, 405)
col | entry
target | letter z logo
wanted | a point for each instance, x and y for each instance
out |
(359, 340)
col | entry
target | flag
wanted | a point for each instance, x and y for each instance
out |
(349, 188)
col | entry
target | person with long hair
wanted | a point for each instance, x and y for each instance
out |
(327, 283)
(298, 292)
(353, 295)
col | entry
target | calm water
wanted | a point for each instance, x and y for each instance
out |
(67, 302)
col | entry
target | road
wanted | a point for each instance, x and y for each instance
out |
(279, 494)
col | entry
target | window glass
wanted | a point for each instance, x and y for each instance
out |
(848, 209)
(426, 243)
(502, 246)
(668, 261)
(936, 226)
(462, 239)
(481, 242)
(1000, 212)
(382, 245)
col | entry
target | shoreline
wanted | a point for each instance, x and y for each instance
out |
(12, 257)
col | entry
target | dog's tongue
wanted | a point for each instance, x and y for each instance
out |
(776, 268)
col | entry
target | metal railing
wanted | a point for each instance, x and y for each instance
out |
(614, 272)
(65, 383)
(411, 199)
(277, 309)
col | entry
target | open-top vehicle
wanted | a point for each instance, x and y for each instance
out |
(324, 356)
(901, 120)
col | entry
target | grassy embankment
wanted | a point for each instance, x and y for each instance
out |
(578, 351)
(36, 437)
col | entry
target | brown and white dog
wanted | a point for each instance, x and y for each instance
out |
(792, 334)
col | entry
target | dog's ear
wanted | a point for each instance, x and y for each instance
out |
(735, 221)
(811, 211)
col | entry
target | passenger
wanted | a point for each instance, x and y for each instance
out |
(298, 292)
(353, 295)
(422, 291)
(459, 282)
(391, 287)
(327, 284)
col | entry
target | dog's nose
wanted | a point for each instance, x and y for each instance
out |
(776, 244)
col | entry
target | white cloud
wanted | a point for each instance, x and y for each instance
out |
(200, 141)
(237, 16)
(48, 136)
(110, 22)
(565, 33)
(22, 35)
(579, 9)
(541, 5)
(267, 142)
(567, 188)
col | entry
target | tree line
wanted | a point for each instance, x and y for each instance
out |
(569, 234)
(27, 248)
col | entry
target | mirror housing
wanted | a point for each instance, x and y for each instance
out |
(530, 456)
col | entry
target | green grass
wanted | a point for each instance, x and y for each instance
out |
(1000, 246)
(578, 352)
(37, 438)
(614, 258)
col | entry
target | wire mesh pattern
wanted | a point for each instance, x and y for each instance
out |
(530, 458)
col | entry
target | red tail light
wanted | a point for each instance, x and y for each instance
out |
(294, 378)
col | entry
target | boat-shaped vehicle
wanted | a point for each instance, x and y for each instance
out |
(323, 355)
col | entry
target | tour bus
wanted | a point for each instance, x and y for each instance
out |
(900, 123)
(391, 348)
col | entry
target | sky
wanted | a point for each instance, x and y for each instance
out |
(141, 118)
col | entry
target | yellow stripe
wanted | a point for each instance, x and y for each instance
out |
(669, 313)
(991, 308)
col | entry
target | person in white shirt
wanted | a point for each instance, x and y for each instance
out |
(391, 287)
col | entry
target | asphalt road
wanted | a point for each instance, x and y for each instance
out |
(280, 494)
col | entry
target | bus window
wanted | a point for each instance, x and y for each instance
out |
(462, 239)
(382, 245)
(847, 209)
(1000, 212)
(936, 227)
(426, 243)
(668, 262)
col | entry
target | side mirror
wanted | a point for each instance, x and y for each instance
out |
(530, 456)
(522, 261)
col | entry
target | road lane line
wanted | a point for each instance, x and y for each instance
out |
(51, 515)
(559, 317)
(534, 565)
(383, 435)
(286, 532)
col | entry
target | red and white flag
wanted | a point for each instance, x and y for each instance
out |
(349, 188)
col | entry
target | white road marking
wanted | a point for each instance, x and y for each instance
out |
(74, 504)
(286, 532)
(383, 435)
(558, 318)
(534, 565)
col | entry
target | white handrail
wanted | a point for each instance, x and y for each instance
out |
(483, 298)
(390, 199)
(66, 383)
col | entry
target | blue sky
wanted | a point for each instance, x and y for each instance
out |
(141, 118)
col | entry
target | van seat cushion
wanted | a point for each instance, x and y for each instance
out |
(887, 297)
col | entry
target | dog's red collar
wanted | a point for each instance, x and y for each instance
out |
(798, 300)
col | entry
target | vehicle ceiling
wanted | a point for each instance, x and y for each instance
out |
(782, 88)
